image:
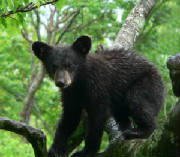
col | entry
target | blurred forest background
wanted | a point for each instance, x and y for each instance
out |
(62, 24)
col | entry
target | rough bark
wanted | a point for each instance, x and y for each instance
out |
(133, 24)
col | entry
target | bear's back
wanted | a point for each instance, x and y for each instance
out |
(120, 69)
(126, 64)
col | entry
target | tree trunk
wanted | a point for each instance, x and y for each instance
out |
(29, 100)
(133, 24)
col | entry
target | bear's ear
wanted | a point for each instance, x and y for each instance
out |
(82, 45)
(41, 49)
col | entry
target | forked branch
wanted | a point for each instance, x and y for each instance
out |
(35, 136)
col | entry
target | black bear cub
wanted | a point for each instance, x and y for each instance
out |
(117, 83)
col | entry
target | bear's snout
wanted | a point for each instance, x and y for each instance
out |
(62, 79)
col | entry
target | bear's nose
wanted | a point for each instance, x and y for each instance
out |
(60, 83)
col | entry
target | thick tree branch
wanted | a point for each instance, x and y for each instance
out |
(34, 85)
(35, 136)
(31, 6)
(134, 24)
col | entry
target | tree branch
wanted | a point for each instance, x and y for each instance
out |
(82, 26)
(34, 85)
(43, 121)
(25, 35)
(35, 136)
(68, 26)
(65, 17)
(60, 19)
(50, 27)
(29, 7)
(37, 26)
(133, 24)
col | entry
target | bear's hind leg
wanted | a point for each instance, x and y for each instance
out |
(145, 126)
(143, 108)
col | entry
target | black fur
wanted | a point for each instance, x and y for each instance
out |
(116, 83)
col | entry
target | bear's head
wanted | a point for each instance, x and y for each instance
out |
(62, 63)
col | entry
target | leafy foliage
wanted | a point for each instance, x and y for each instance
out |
(158, 40)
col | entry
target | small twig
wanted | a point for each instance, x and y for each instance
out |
(43, 121)
(82, 26)
(50, 25)
(68, 26)
(37, 26)
(65, 17)
(25, 35)
(29, 7)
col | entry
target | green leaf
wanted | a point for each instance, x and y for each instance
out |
(20, 18)
(3, 22)
(37, 3)
(16, 5)
(60, 4)
(4, 5)
(26, 2)
(10, 4)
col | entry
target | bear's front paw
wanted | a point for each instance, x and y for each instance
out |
(53, 153)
